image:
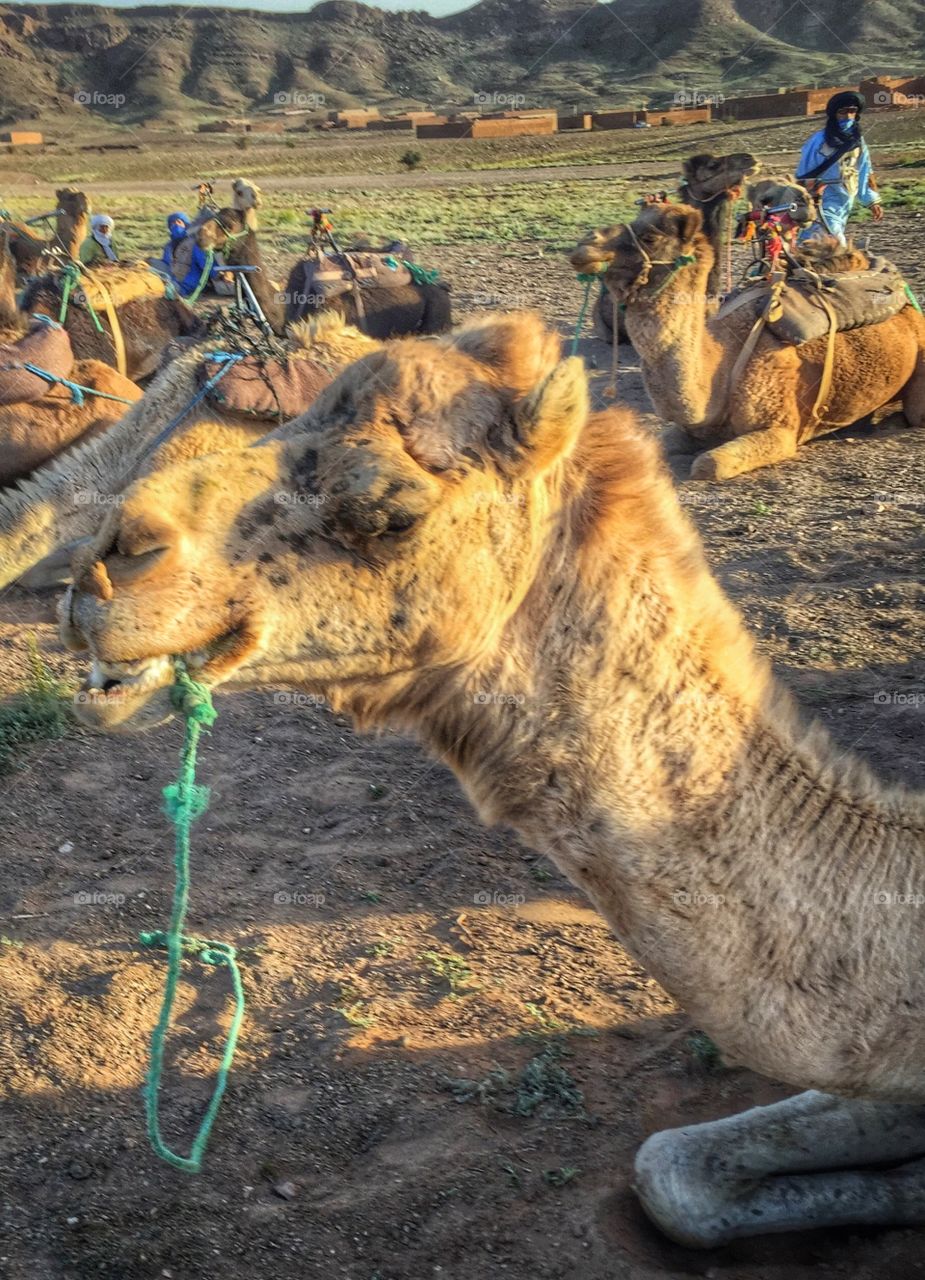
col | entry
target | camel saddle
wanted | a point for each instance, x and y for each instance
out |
(275, 390)
(122, 283)
(48, 347)
(333, 274)
(799, 314)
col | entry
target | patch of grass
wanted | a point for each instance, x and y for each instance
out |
(353, 1013)
(370, 895)
(382, 948)
(452, 970)
(41, 710)
(10, 942)
(551, 1027)
(561, 1177)
(543, 1085)
(352, 1007)
(704, 1052)
(760, 508)
(539, 873)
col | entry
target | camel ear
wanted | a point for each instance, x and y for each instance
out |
(685, 223)
(549, 420)
(518, 349)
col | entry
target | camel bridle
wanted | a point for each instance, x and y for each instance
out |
(648, 262)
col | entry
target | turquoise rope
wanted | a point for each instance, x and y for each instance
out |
(185, 802)
(912, 298)
(587, 279)
(77, 389)
(226, 360)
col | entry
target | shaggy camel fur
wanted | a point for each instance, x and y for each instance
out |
(711, 184)
(688, 355)
(457, 522)
(33, 432)
(65, 502)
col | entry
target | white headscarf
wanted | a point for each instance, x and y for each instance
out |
(101, 228)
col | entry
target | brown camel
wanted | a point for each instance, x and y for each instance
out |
(688, 355)
(711, 184)
(390, 312)
(44, 515)
(72, 225)
(49, 421)
(449, 543)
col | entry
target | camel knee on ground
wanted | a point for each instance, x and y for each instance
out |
(673, 1187)
(747, 453)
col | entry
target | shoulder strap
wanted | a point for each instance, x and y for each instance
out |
(841, 150)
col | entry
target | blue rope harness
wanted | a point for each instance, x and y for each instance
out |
(77, 390)
(224, 358)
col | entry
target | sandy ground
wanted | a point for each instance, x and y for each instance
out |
(351, 871)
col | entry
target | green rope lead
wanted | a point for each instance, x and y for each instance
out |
(587, 279)
(204, 277)
(185, 802)
(912, 298)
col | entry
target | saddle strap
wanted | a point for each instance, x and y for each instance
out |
(821, 403)
(118, 340)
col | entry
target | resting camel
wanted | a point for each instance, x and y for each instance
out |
(688, 355)
(47, 419)
(711, 184)
(72, 225)
(413, 308)
(44, 515)
(457, 521)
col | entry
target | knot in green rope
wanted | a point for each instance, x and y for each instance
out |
(185, 801)
(192, 698)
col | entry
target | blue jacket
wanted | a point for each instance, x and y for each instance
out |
(177, 224)
(851, 174)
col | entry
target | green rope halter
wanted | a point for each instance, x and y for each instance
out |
(185, 802)
(70, 276)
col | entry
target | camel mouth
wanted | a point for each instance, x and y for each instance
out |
(137, 694)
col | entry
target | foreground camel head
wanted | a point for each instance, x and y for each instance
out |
(626, 255)
(705, 177)
(783, 194)
(386, 540)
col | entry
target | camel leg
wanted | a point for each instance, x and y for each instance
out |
(914, 395)
(765, 1170)
(675, 441)
(745, 453)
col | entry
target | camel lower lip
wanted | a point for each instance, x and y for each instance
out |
(110, 683)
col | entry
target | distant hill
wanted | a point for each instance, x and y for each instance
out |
(168, 62)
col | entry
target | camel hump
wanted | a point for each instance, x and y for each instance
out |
(122, 283)
(274, 390)
(48, 347)
(857, 299)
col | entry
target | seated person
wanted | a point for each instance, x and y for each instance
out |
(98, 248)
(184, 261)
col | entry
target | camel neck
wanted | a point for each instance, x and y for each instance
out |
(625, 727)
(246, 252)
(681, 359)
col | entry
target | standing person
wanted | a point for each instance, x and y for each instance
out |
(837, 160)
(98, 247)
